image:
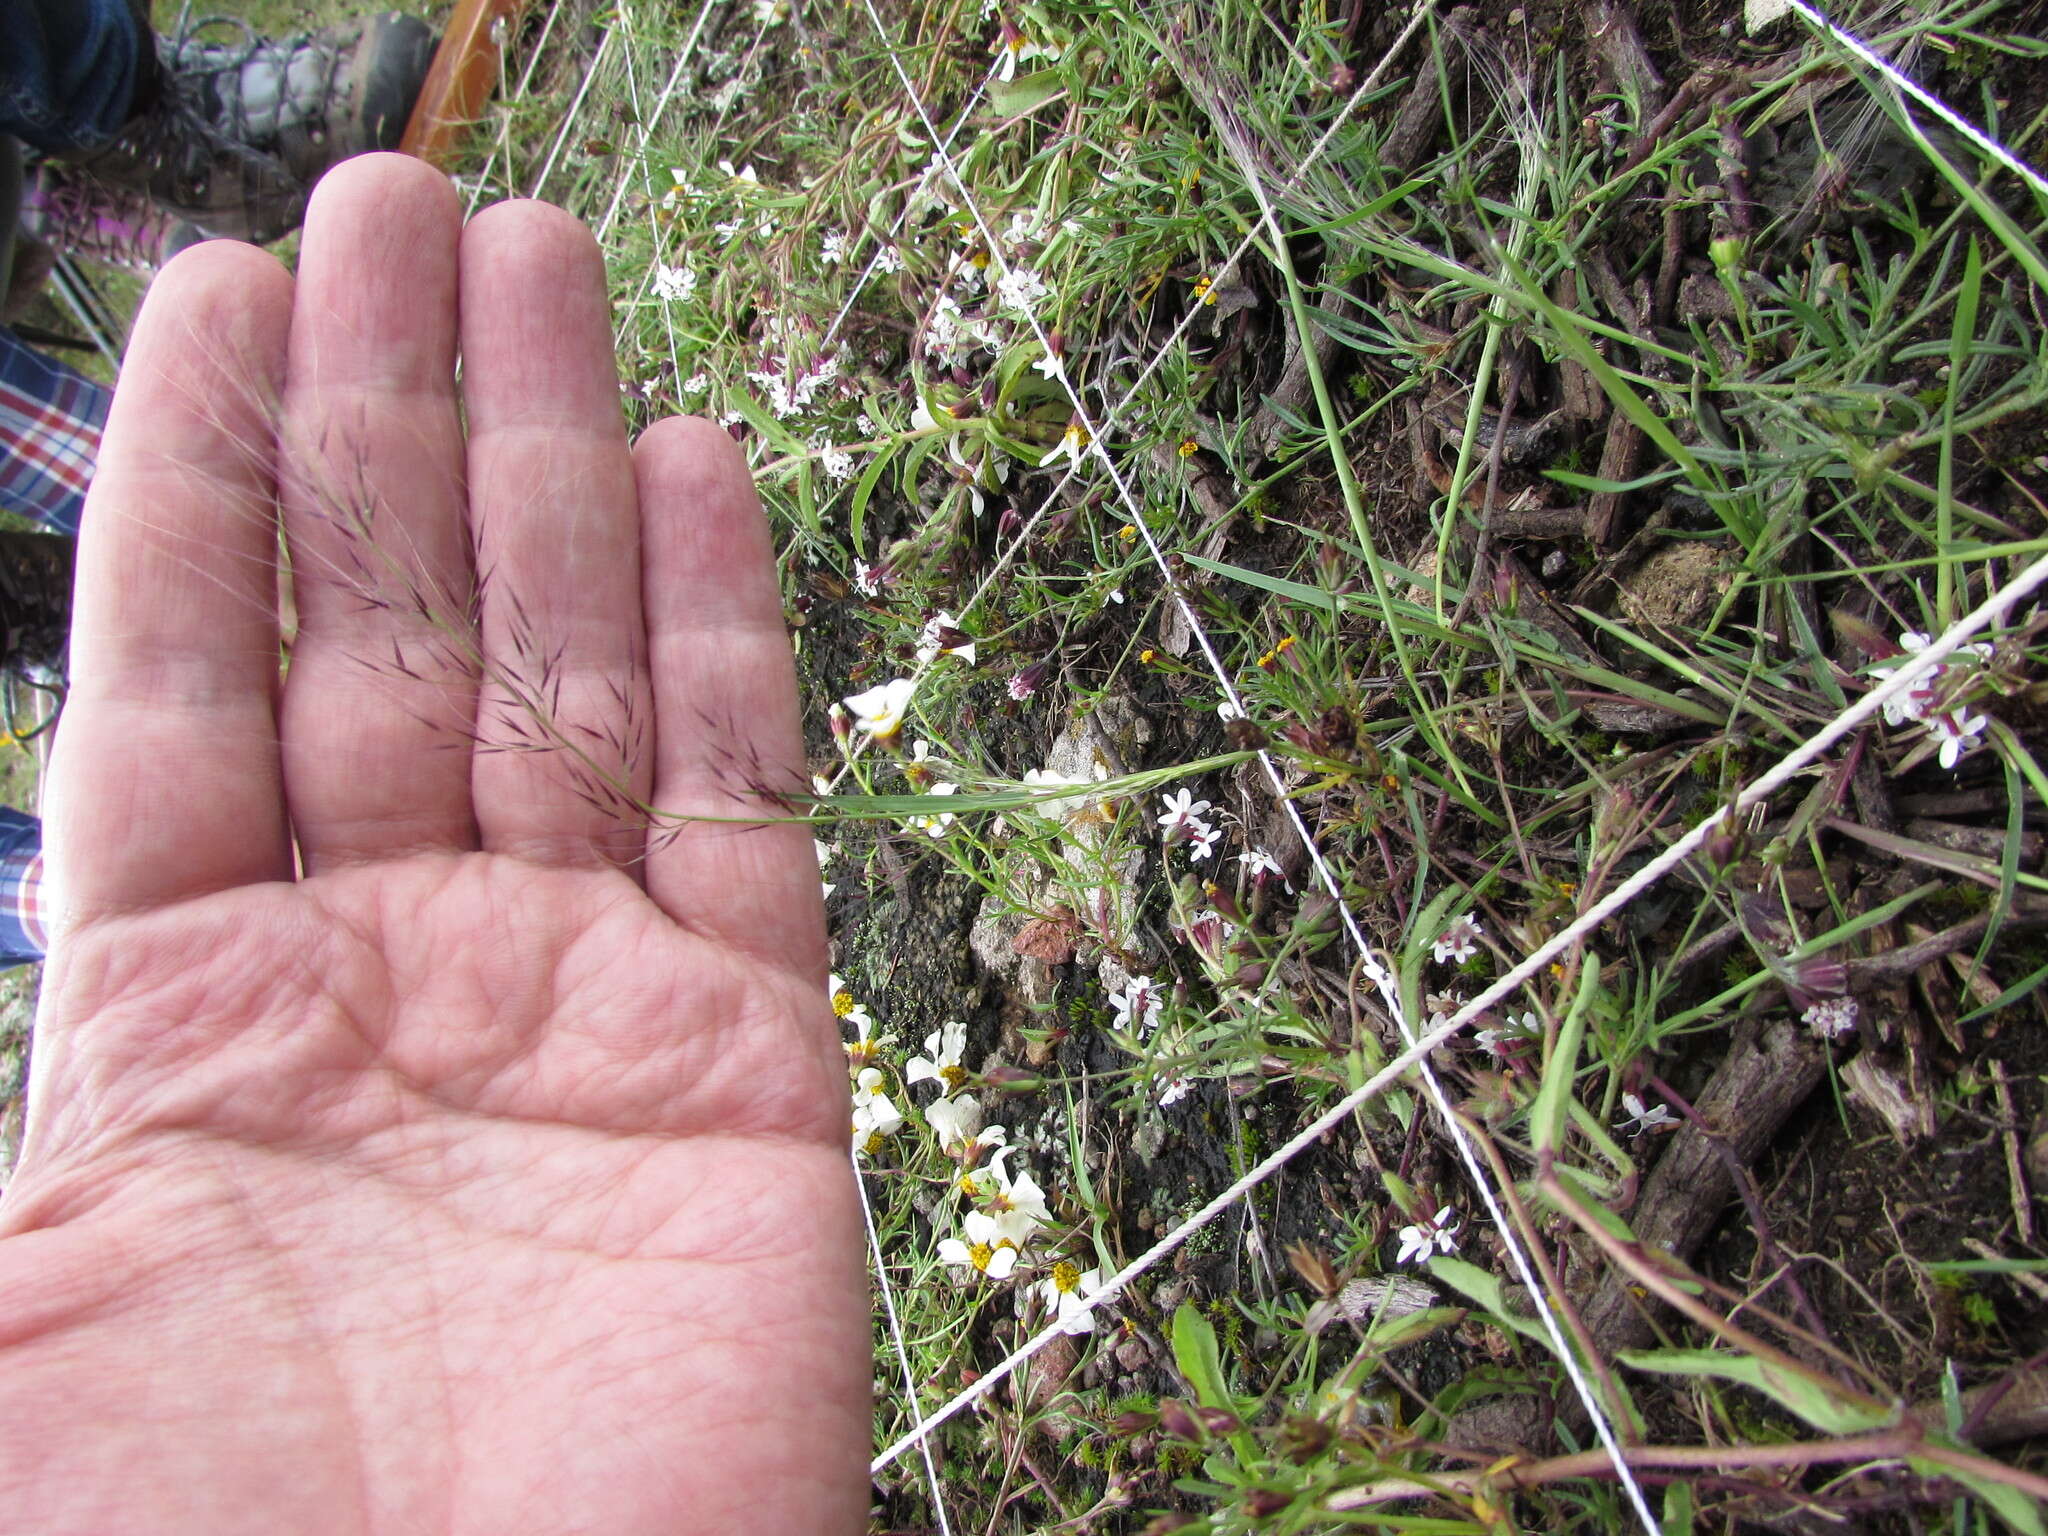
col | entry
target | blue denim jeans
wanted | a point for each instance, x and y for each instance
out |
(68, 70)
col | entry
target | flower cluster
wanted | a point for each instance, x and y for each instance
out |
(1458, 942)
(875, 1115)
(1006, 1210)
(1831, 1017)
(1934, 699)
(1182, 821)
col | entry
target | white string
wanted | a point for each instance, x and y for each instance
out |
(575, 111)
(1382, 978)
(1911, 87)
(649, 122)
(931, 1466)
(1418, 1049)
(1114, 416)
(1918, 666)
(1389, 988)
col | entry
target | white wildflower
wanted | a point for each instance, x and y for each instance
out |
(874, 1116)
(947, 1044)
(1021, 288)
(674, 285)
(932, 640)
(1458, 942)
(955, 1121)
(1072, 445)
(1438, 1234)
(1960, 733)
(934, 824)
(880, 710)
(985, 1248)
(1641, 1117)
(1066, 1292)
(1832, 1017)
(1138, 1005)
(1183, 812)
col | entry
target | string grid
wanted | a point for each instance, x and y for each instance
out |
(1995, 608)
(1374, 967)
(1417, 1044)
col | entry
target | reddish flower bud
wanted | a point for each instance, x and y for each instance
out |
(1176, 1421)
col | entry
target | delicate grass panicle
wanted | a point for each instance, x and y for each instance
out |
(1401, 574)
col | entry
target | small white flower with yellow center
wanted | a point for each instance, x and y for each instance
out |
(1016, 1201)
(956, 1122)
(1072, 445)
(984, 1250)
(880, 710)
(935, 824)
(866, 1046)
(976, 1182)
(947, 1045)
(844, 1007)
(1066, 1290)
(875, 1117)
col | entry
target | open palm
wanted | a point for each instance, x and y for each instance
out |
(416, 1142)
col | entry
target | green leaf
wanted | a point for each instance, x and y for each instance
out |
(1812, 1398)
(2015, 1508)
(1201, 1363)
(1485, 1289)
(1027, 93)
(1560, 1071)
(1195, 1352)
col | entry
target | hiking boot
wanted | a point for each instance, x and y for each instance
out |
(232, 130)
(75, 215)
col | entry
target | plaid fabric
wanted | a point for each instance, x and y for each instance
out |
(23, 938)
(50, 424)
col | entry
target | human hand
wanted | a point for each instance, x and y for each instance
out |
(489, 1172)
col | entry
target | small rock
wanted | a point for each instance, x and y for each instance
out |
(1050, 1369)
(1134, 1354)
(1402, 1296)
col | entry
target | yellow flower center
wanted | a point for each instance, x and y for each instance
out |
(1128, 532)
(954, 1075)
(843, 1004)
(1066, 1276)
(1077, 436)
(1188, 448)
(979, 1254)
(1205, 290)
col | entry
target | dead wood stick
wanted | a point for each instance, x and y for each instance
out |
(1761, 1081)
(2015, 1170)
